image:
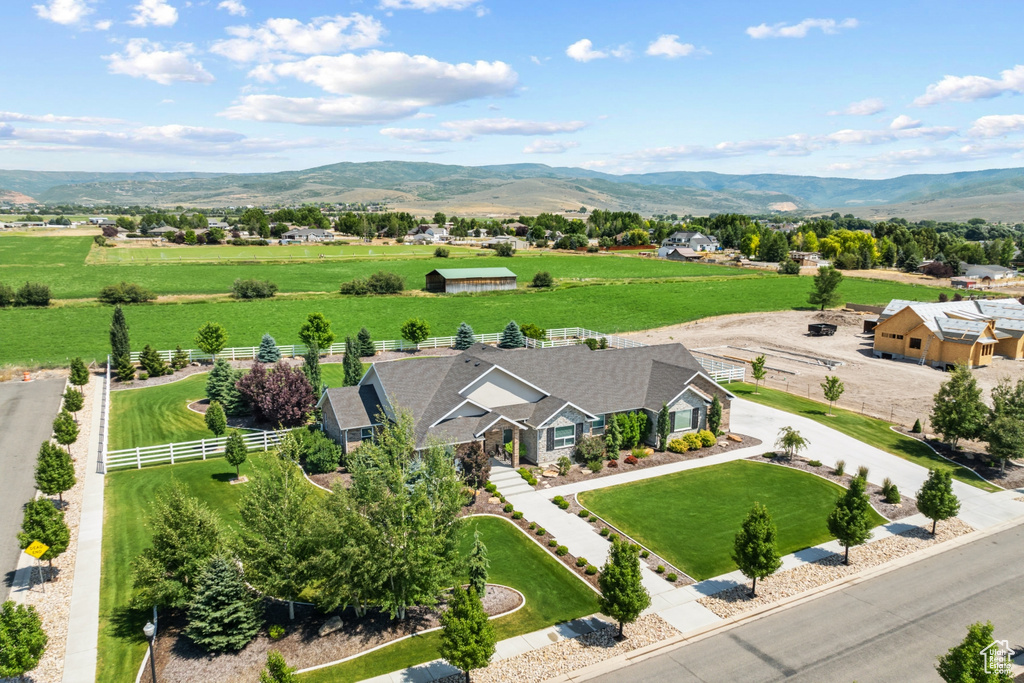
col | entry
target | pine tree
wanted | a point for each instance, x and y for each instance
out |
(477, 565)
(125, 369)
(120, 345)
(224, 614)
(754, 550)
(22, 639)
(964, 663)
(511, 337)
(216, 422)
(179, 359)
(311, 368)
(55, 471)
(352, 365)
(467, 637)
(151, 362)
(268, 352)
(79, 373)
(43, 522)
(715, 416)
(365, 343)
(221, 387)
(464, 337)
(936, 499)
(235, 451)
(73, 401)
(65, 429)
(612, 434)
(850, 520)
(623, 596)
(664, 428)
(277, 670)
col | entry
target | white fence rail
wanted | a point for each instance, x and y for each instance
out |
(101, 457)
(186, 450)
(721, 371)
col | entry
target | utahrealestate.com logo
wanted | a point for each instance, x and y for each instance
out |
(998, 657)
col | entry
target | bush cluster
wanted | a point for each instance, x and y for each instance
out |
(527, 475)
(677, 446)
(381, 282)
(558, 500)
(693, 441)
(321, 453)
(29, 294)
(581, 561)
(125, 293)
(253, 289)
(590, 449)
(239, 242)
(561, 551)
(504, 249)
(543, 279)
(707, 438)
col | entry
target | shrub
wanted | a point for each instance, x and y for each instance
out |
(672, 577)
(32, 294)
(564, 505)
(840, 467)
(253, 289)
(862, 472)
(125, 293)
(321, 453)
(517, 515)
(605, 531)
(770, 455)
(693, 442)
(533, 331)
(415, 330)
(179, 359)
(533, 525)
(356, 287)
(564, 464)
(552, 543)
(595, 466)
(592, 249)
(541, 531)
(441, 252)
(611, 455)
(886, 485)
(100, 240)
(542, 279)
(639, 452)
(613, 537)
(561, 551)
(504, 249)
(583, 513)
(789, 267)
(707, 438)
(915, 430)
(557, 499)
(143, 375)
(814, 463)
(631, 460)
(592, 518)
(678, 446)
(660, 569)
(590, 570)
(893, 496)
(508, 507)
(645, 554)
(581, 561)
(613, 463)
(381, 282)
(592, 344)
(491, 487)
(277, 632)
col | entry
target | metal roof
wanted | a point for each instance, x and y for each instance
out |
(471, 273)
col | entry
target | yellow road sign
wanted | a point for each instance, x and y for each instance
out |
(37, 549)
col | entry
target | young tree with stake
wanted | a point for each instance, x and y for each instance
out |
(936, 499)
(623, 596)
(235, 451)
(758, 371)
(850, 521)
(755, 551)
(833, 389)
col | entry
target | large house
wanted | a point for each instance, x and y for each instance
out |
(691, 240)
(544, 399)
(307, 235)
(428, 232)
(951, 333)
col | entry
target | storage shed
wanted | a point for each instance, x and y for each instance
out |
(454, 280)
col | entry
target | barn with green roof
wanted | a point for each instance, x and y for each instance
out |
(455, 280)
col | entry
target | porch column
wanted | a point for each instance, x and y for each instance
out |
(515, 447)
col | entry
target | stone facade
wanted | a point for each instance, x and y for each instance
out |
(568, 416)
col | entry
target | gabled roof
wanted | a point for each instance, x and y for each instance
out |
(471, 273)
(963, 331)
(357, 406)
(931, 313)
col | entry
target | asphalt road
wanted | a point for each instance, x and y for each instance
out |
(27, 410)
(890, 628)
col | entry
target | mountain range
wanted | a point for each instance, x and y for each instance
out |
(421, 188)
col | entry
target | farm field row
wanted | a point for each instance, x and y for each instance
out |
(54, 335)
(311, 251)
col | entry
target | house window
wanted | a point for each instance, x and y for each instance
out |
(597, 426)
(565, 436)
(366, 434)
(683, 420)
(915, 343)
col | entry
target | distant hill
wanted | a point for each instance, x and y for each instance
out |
(996, 194)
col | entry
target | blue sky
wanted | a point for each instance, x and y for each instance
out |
(865, 89)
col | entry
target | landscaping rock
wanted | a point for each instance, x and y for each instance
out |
(494, 500)
(648, 451)
(240, 480)
(733, 437)
(330, 626)
(550, 474)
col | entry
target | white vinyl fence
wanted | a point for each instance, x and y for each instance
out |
(187, 450)
(721, 371)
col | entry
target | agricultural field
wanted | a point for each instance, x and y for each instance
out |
(148, 254)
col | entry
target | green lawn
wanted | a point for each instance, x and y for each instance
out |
(133, 254)
(867, 429)
(54, 335)
(691, 518)
(552, 593)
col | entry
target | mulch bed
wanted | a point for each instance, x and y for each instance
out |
(178, 660)
(972, 455)
(907, 506)
(327, 479)
(580, 473)
(235, 422)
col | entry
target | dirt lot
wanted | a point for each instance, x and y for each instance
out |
(800, 362)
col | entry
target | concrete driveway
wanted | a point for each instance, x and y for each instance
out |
(27, 410)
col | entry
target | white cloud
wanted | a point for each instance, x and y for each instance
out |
(550, 146)
(154, 13)
(277, 39)
(782, 30)
(103, 25)
(868, 107)
(536, 60)
(970, 88)
(987, 126)
(468, 129)
(668, 45)
(583, 51)
(9, 116)
(143, 58)
(66, 12)
(317, 111)
(429, 5)
(234, 8)
(904, 122)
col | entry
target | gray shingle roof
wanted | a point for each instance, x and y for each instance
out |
(355, 406)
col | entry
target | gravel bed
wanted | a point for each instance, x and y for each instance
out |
(54, 605)
(906, 507)
(736, 600)
(573, 653)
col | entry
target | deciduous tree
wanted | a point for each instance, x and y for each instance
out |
(936, 499)
(280, 396)
(832, 388)
(22, 639)
(850, 520)
(43, 522)
(55, 471)
(317, 330)
(826, 284)
(212, 338)
(758, 371)
(623, 596)
(754, 550)
(73, 401)
(467, 637)
(65, 429)
(965, 663)
(415, 330)
(957, 410)
(235, 451)
(79, 375)
(476, 465)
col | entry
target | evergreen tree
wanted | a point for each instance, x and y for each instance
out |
(511, 337)
(22, 639)
(958, 411)
(79, 373)
(151, 362)
(43, 522)
(180, 358)
(477, 565)
(365, 343)
(216, 422)
(125, 368)
(826, 284)
(754, 550)
(964, 663)
(351, 364)
(467, 636)
(73, 401)
(235, 450)
(715, 416)
(55, 471)
(850, 520)
(221, 387)
(623, 596)
(612, 434)
(268, 352)
(277, 670)
(311, 369)
(120, 345)
(211, 338)
(464, 337)
(936, 499)
(225, 614)
(65, 429)
(664, 428)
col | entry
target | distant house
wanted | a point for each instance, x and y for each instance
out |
(163, 231)
(214, 223)
(987, 275)
(679, 254)
(691, 240)
(809, 258)
(455, 280)
(517, 244)
(307, 235)
(428, 232)
(521, 229)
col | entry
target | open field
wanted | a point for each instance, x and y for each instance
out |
(54, 335)
(691, 518)
(552, 593)
(312, 251)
